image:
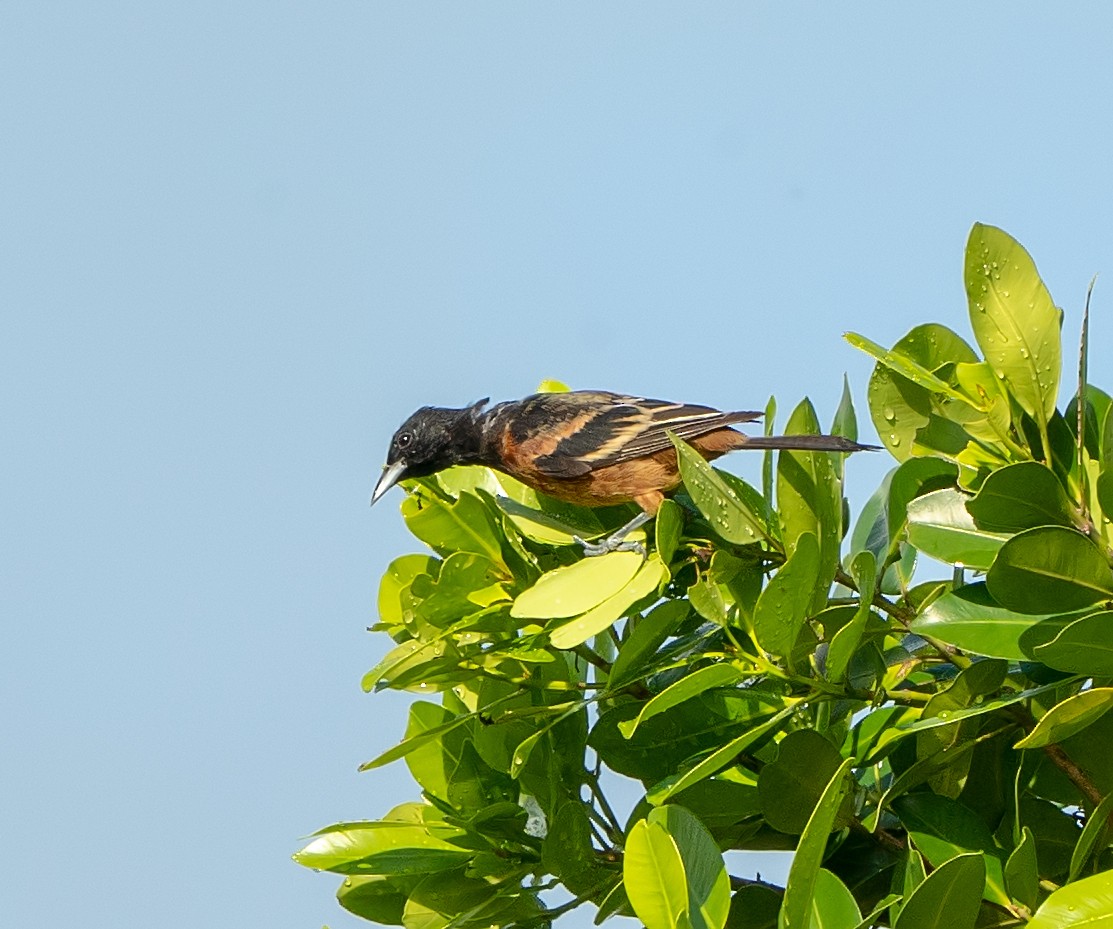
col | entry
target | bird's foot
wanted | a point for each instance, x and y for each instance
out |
(612, 543)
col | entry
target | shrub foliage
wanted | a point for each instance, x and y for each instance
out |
(773, 674)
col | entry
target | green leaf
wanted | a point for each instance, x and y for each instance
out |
(970, 619)
(809, 500)
(1022, 878)
(754, 906)
(376, 897)
(1050, 570)
(1021, 496)
(462, 525)
(724, 508)
(1095, 832)
(649, 634)
(1085, 646)
(1086, 903)
(833, 905)
(667, 527)
(576, 588)
(398, 576)
(942, 828)
(674, 873)
(804, 873)
(383, 847)
(718, 759)
(904, 365)
(847, 639)
(790, 786)
(846, 422)
(939, 525)
(783, 604)
(1068, 717)
(550, 528)
(1015, 321)
(691, 685)
(899, 407)
(649, 577)
(949, 898)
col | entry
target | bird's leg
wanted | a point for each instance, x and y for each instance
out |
(615, 542)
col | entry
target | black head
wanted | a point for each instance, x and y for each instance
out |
(432, 439)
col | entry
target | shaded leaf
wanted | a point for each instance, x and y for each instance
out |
(1021, 496)
(949, 898)
(1049, 570)
(783, 604)
(939, 525)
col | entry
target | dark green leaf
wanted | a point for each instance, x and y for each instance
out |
(790, 787)
(1085, 646)
(1050, 570)
(649, 634)
(1021, 496)
(689, 686)
(1094, 835)
(949, 898)
(783, 604)
(1022, 878)
(804, 873)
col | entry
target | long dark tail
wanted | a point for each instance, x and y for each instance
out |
(807, 443)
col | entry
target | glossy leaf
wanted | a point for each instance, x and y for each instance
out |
(939, 525)
(461, 525)
(674, 873)
(570, 634)
(689, 686)
(899, 407)
(833, 905)
(1068, 717)
(576, 588)
(1085, 904)
(970, 619)
(1021, 496)
(725, 510)
(1022, 877)
(804, 873)
(809, 500)
(649, 634)
(1085, 646)
(942, 828)
(1014, 319)
(949, 898)
(667, 528)
(1094, 835)
(382, 847)
(1050, 570)
(847, 639)
(783, 604)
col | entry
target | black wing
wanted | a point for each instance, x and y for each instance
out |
(606, 428)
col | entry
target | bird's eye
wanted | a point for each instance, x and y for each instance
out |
(405, 439)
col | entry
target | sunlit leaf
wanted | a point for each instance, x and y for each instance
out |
(783, 604)
(1086, 903)
(578, 587)
(1014, 319)
(939, 525)
(1068, 717)
(576, 631)
(725, 510)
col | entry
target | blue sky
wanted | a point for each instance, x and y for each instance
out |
(241, 242)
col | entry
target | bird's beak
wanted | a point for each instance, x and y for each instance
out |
(391, 475)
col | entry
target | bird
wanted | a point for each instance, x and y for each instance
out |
(587, 447)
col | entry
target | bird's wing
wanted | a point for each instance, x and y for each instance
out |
(603, 429)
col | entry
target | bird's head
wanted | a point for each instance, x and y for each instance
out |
(432, 439)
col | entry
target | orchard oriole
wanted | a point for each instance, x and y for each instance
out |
(589, 447)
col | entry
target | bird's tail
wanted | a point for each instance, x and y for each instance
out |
(807, 443)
